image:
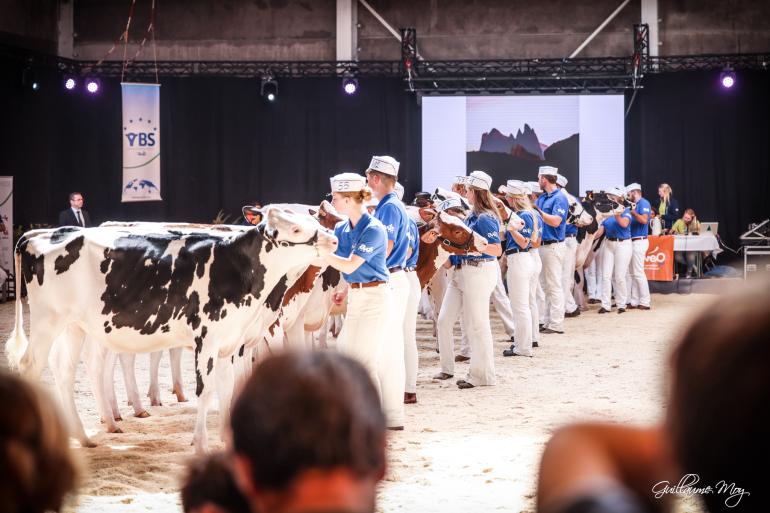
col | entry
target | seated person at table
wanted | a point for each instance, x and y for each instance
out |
(687, 225)
(714, 428)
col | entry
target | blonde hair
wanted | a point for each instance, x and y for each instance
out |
(521, 202)
(36, 463)
(483, 202)
(667, 191)
(386, 178)
(361, 196)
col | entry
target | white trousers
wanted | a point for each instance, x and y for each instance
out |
(616, 257)
(553, 263)
(391, 371)
(534, 292)
(639, 291)
(503, 305)
(592, 279)
(521, 269)
(363, 333)
(410, 327)
(568, 273)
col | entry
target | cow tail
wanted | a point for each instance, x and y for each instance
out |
(17, 344)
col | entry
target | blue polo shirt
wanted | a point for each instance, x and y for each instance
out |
(367, 240)
(613, 230)
(641, 229)
(554, 203)
(570, 229)
(413, 234)
(392, 214)
(529, 226)
(488, 227)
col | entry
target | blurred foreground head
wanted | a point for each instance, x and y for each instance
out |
(309, 435)
(37, 467)
(209, 487)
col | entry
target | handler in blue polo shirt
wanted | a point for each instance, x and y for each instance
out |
(553, 206)
(381, 177)
(570, 254)
(360, 256)
(616, 253)
(639, 291)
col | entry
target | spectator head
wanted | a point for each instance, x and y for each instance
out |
(688, 215)
(309, 424)
(209, 487)
(717, 416)
(76, 200)
(37, 467)
(665, 191)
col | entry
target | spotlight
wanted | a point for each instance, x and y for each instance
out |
(727, 78)
(350, 85)
(269, 88)
(29, 79)
(93, 85)
(70, 83)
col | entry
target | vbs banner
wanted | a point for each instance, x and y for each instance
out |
(141, 142)
(6, 223)
(659, 262)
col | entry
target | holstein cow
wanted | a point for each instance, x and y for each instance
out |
(144, 290)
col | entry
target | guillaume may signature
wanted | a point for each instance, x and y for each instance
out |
(686, 486)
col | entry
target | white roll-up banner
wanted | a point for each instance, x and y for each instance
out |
(141, 142)
(6, 223)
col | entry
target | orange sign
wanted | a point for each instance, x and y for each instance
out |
(659, 262)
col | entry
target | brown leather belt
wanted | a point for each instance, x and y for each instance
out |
(366, 285)
(395, 269)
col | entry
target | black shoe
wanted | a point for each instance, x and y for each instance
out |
(535, 344)
(464, 384)
(509, 352)
(631, 307)
(642, 307)
(542, 327)
(604, 310)
(594, 301)
(549, 331)
(396, 428)
(461, 358)
(621, 310)
(443, 375)
(573, 314)
(512, 340)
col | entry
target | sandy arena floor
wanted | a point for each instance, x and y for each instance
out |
(462, 450)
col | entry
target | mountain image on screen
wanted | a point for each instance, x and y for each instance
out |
(524, 144)
(508, 156)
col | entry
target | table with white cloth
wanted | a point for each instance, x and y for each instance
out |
(700, 243)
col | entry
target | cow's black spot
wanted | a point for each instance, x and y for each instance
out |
(145, 288)
(104, 265)
(210, 366)
(165, 328)
(232, 358)
(224, 313)
(31, 267)
(241, 350)
(330, 278)
(107, 329)
(63, 262)
(198, 349)
(106, 323)
(275, 297)
(248, 301)
(62, 233)
(235, 272)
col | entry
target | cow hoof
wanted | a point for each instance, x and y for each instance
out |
(118, 418)
(155, 402)
(142, 414)
(114, 430)
(180, 398)
(87, 443)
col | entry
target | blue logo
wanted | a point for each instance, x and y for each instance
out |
(140, 185)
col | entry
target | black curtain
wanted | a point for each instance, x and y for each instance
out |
(223, 145)
(710, 144)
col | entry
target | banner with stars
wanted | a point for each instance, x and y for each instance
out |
(141, 142)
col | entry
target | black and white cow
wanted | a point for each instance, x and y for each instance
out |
(145, 289)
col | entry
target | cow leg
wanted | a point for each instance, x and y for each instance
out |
(42, 334)
(295, 337)
(205, 377)
(225, 383)
(154, 391)
(63, 360)
(108, 385)
(175, 356)
(127, 361)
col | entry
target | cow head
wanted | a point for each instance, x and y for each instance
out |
(502, 210)
(286, 228)
(577, 213)
(456, 237)
(515, 222)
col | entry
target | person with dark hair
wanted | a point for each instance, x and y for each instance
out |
(37, 467)
(713, 436)
(75, 215)
(309, 436)
(209, 487)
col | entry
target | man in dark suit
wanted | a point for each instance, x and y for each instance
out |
(75, 215)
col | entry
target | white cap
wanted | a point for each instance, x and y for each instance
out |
(450, 203)
(460, 179)
(616, 191)
(443, 194)
(534, 188)
(517, 188)
(548, 170)
(561, 180)
(347, 182)
(399, 191)
(480, 180)
(633, 187)
(387, 165)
